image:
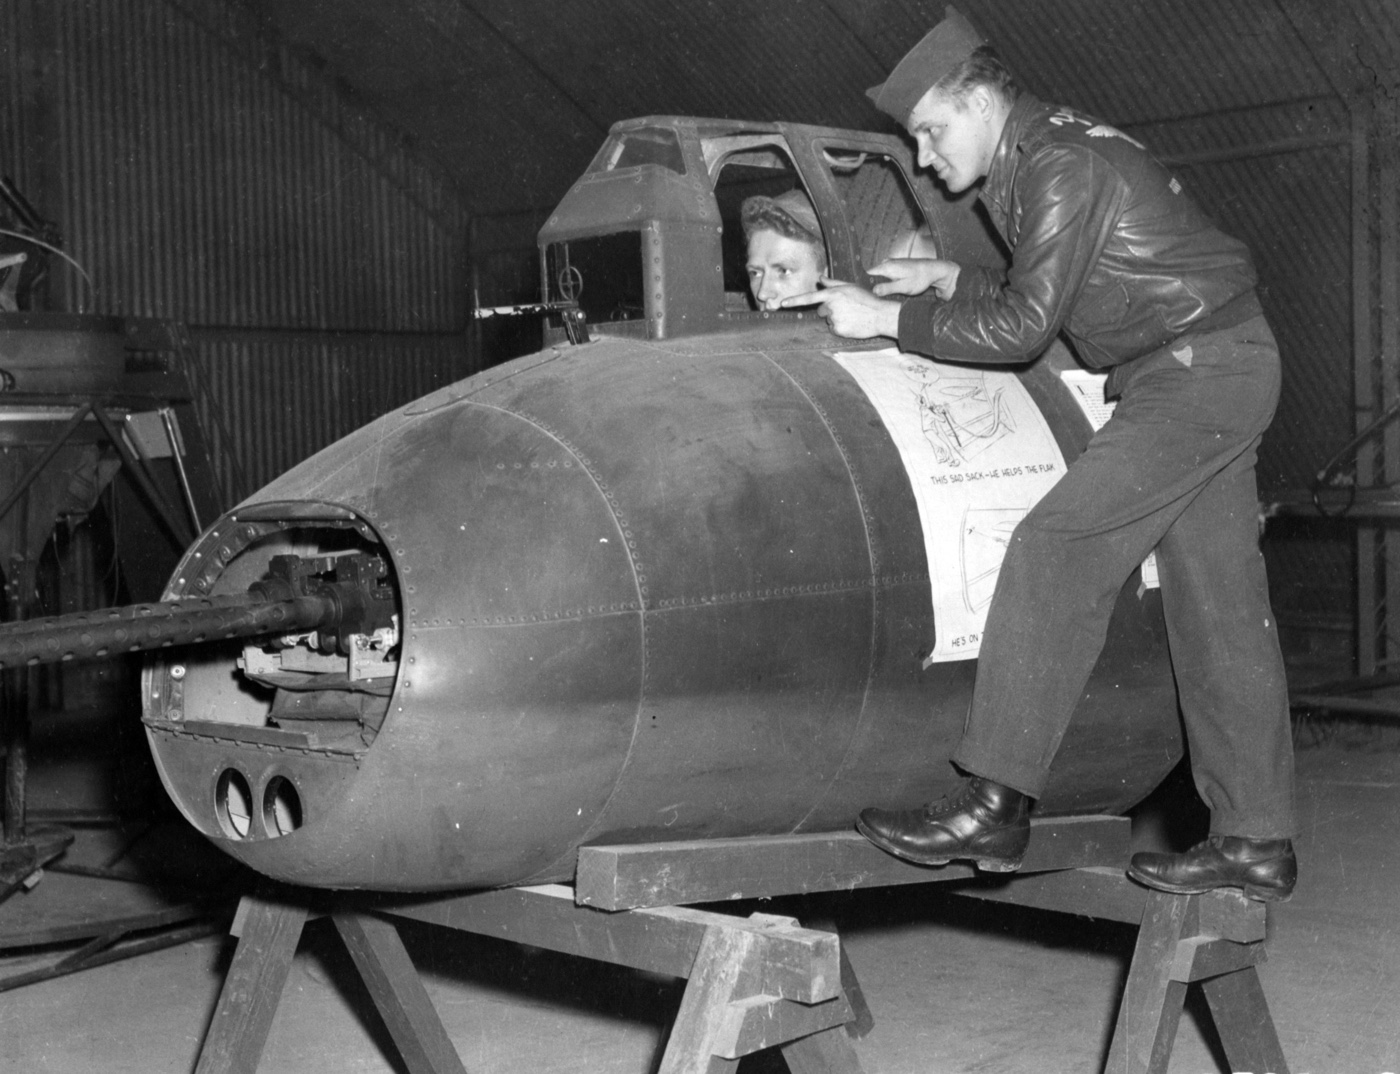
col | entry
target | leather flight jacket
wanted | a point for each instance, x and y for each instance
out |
(1107, 247)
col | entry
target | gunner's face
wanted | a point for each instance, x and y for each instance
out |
(955, 136)
(780, 267)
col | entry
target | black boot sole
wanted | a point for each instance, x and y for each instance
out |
(986, 864)
(1249, 891)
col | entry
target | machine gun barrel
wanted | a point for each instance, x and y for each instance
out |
(139, 627)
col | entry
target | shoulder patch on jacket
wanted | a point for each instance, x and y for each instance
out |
(1093, 128)
(1103, 130)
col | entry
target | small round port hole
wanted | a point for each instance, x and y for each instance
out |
(233, 804)
(281, 807)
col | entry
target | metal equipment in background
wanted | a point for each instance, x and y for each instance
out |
(94, 411)
(1338, 492)
(93, 406)
(26, 242)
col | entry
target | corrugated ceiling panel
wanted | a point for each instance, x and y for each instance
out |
(728, 59)
(1380, 20)
(513, 96)
(1136, 61)
(472, 101)
(890, 28)
(1315, 123)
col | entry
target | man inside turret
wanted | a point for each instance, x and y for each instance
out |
(786, 255)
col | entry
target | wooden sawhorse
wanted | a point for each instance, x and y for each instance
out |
(755, 982)
(764, 981)
(1215, 940)
(1073, 865)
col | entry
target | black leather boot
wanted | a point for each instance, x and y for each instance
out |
(981, 821)
(1264, 869)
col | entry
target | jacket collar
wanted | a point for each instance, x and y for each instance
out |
(1023, 124)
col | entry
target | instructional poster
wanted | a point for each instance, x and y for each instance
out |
(979, 454)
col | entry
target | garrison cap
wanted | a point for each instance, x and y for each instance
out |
(795, 205)
(939, 53)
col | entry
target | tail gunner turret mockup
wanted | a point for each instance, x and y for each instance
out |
(671, 583)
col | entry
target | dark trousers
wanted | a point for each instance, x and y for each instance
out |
(1173, 469)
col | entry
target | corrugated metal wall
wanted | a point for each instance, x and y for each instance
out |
(1298, 231)
(263, 420)
(1279, 178)
(204, 176)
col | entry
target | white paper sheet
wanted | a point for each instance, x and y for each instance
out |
(1087, 389)
(979, 454)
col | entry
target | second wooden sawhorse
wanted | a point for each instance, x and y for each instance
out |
(764, 981)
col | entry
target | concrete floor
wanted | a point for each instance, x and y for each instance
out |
(956, 986)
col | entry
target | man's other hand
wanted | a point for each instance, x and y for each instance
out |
(915, 275)
(851, 311)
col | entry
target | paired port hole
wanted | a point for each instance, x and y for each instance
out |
(280, 814)
(281, 807)
(233, 804)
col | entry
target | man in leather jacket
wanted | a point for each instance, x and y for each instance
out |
(1108, 248)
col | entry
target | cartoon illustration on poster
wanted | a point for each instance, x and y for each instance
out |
(979, 454)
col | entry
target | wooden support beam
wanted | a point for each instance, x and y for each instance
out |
(801, 964)
(828, 1052)
(862, 1019)
(727, 1012)
(1151, 1007)
(659, 941)
(1108, 895)
(804, 964)
(1201, 958)
(753, 983)
(698, 1035)
(758, 1022)
(715, 870)
(398, 992)
(1242, 1019)
(1175, 946)
(268, 931)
